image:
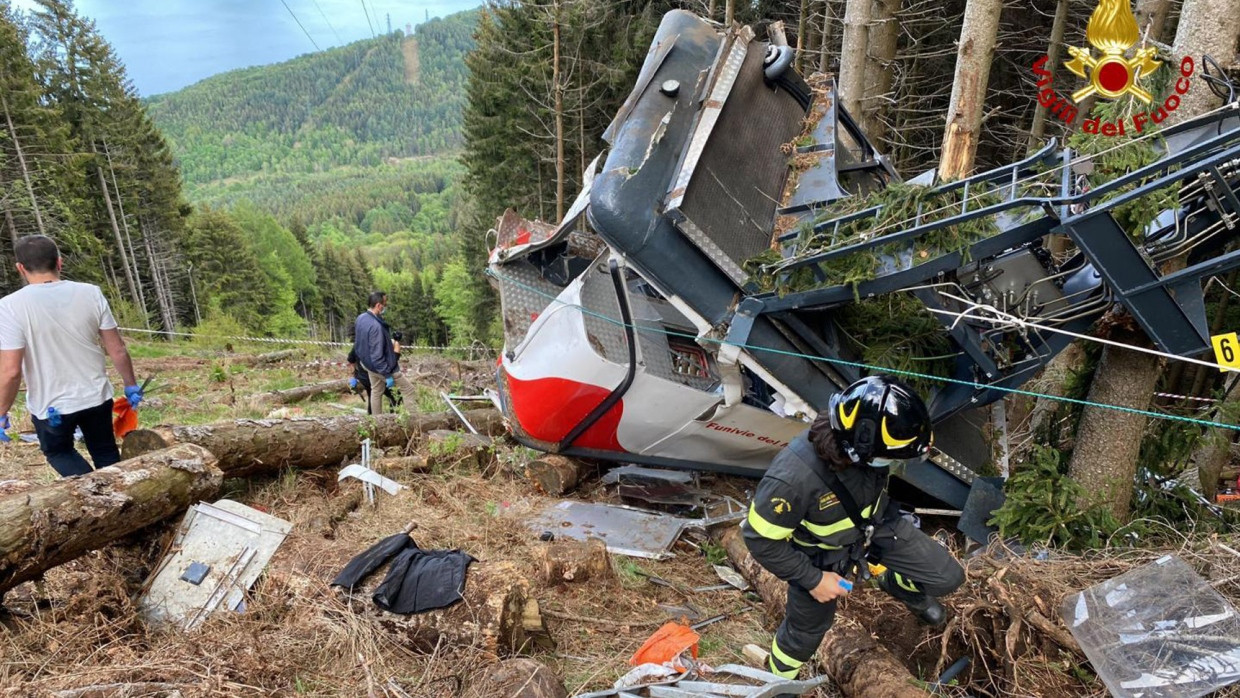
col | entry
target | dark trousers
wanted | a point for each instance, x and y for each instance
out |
(57, 442)
(921, 567)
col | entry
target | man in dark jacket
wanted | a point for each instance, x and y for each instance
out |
(821, 513)
(372, 343)
(359, 382)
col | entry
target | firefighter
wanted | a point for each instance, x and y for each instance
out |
(821, 513)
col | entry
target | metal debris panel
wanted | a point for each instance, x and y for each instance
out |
(625, 530)
(1158, 631)
(232, 541)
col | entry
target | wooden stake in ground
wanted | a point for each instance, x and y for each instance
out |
(248, 446)
(42, 526)
(860, 666)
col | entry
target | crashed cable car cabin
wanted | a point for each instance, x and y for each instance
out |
(634, 332)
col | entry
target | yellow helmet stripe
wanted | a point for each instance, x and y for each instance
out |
(892, 441)
(847, 419)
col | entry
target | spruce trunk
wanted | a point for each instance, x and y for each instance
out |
(974, 54)
(248, 446)
(42, 526)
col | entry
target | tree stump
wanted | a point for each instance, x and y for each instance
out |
(859, 665)
(553, 474)
(522, 678)
(42, 526)
(575, 561)
(489, 618)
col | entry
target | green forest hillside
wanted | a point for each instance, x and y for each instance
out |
(364, 104)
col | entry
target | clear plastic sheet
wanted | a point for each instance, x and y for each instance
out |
(1158, 631)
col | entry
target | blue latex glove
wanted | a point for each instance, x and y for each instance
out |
(846, 585)
(53, 417)
(5, 425)
(133, 394)
(352, 384)
(390, 381)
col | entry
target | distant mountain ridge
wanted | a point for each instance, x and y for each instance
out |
(363, 104)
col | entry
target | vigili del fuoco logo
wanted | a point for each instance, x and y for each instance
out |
(1112, 70)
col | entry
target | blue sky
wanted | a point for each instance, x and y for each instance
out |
(168, 44)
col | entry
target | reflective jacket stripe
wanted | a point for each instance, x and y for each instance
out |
(844, 524)
(825, 546)
(765, 528)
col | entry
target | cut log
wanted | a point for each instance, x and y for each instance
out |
(455, 448)
(399, 464)
(490, 618)
(269, 358)
(575, 561)
(248, 446)
(860, 666)
(522, 678)
(553, 475)
(48, 525)
(284, 397)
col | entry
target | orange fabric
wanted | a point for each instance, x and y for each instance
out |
(666, 644)
(125, 418)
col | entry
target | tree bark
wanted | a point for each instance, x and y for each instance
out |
(133, 257)
(802, 37)
(269, 358)
(489, 618)
(881, 56)
(1215, 450)
(1207, 27)
(729, 13)
(21, 161)
(116, 231)
(1108, 442)
(574, 561)
(1152, 18)
(558, 89)
(824, 42)
(42, 526)
(974, 54)
(1038, 131)
(860, 666)
(284, 397)
(248, 446)
(852, 56)
(553, 474)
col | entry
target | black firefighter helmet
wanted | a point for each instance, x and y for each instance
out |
(880, 419)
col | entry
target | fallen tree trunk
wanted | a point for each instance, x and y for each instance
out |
(249, 446)
(284, 397)
(491, 617)
(42, 526)
(553, 475)
(860, 666)
(269, 358)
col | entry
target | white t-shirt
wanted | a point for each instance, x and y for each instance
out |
(58, 325)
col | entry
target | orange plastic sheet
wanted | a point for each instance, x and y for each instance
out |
(666, 644)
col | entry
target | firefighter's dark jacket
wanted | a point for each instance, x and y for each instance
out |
(794, 515)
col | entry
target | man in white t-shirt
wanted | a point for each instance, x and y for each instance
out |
(55, 333)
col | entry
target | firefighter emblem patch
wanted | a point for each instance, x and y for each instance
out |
(780, 505)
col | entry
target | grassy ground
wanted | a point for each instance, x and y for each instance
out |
(298, 636)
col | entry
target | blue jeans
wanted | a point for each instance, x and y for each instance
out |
(57, 442)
